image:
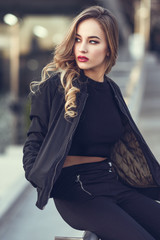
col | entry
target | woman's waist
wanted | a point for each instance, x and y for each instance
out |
(98, 168)
(76, 160)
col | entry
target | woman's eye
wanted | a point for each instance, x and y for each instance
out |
(77, 39)
(93, 41)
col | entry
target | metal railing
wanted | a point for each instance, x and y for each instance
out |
(87, 236)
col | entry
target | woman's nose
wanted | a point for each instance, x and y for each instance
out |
(83, 48)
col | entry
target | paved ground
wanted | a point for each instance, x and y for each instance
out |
(27, 222)
(12, 181)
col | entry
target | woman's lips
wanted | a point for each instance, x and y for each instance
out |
(82, 59)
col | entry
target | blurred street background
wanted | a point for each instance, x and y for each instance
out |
(29, 32)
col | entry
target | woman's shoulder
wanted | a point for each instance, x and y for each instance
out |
(46, 90)
(50, 85)
(112, 82)
(53, 80)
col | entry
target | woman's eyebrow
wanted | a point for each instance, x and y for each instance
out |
(89, 36)
(94, 37)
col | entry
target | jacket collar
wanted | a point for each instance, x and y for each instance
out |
(81, 82)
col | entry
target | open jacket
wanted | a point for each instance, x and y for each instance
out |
(50, 135)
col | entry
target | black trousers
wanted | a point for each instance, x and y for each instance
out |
(91, 197)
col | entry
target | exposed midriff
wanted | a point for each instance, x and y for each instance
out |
(75, 160)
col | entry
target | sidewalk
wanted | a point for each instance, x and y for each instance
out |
(12, 181)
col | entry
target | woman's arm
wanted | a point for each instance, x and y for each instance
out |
(41, 103)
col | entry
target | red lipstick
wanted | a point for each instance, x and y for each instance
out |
(82, 59)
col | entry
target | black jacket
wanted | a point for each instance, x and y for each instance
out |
(50, 134)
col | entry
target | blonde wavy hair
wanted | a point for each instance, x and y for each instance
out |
(64, 60)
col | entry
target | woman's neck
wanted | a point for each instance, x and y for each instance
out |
(94, 75)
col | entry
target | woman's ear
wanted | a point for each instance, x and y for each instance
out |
(108, 53)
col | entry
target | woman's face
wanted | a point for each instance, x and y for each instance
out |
(90, 47)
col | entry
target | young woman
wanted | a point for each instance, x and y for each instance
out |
(83, 148)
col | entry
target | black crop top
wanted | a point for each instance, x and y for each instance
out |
(100, 125)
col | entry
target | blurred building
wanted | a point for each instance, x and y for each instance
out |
(29, 35)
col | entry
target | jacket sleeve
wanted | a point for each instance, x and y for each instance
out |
(41, 102)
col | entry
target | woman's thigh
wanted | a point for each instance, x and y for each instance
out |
(102, 216)
(144, 210)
